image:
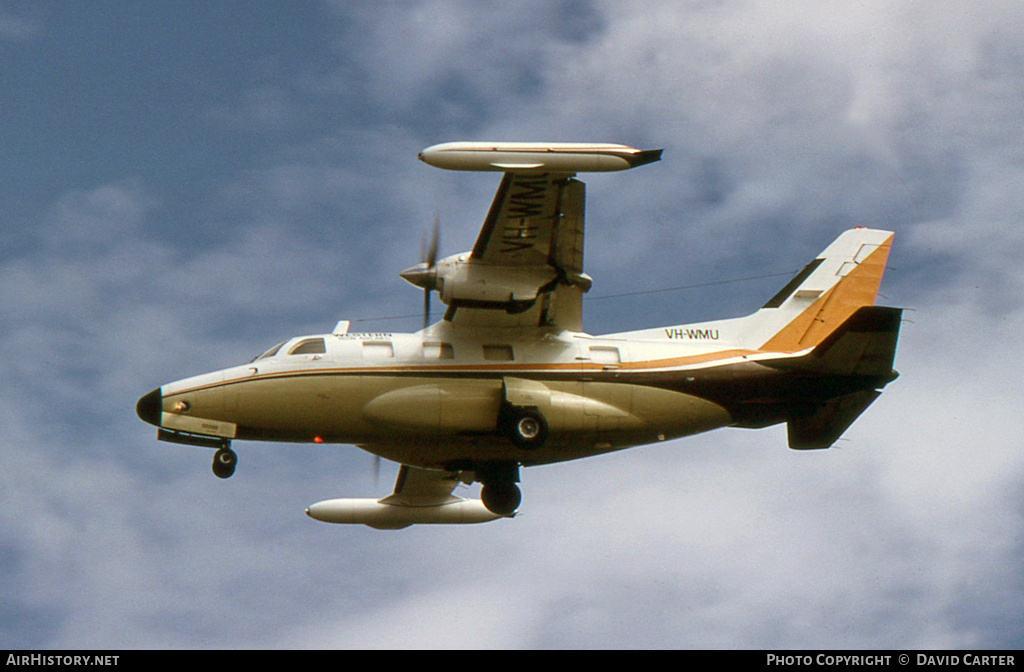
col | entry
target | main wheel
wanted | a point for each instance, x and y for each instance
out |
(224, 462)
(501, 498)
(526, 427)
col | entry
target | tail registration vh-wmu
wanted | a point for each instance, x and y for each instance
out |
(508, 379)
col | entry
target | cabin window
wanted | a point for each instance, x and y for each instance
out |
(604, 355)
(310, 346)
(438, 351)
(498, 353)
(378, 349)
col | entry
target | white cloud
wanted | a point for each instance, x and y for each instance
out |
(484, 614)
(445, 66)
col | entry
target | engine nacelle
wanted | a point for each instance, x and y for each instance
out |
(465, 283)
(461, 281)
(383, 516)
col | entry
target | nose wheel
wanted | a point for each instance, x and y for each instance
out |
(224, 462)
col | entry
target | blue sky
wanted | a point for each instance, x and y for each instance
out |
(185, 184)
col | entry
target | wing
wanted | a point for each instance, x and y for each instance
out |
(423, 487)
(526, 268)
(524, 226)
(533, 235)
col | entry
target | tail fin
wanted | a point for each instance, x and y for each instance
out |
(825, 294)
(829, 308)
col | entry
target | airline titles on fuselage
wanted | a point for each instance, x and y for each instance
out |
(365, 336)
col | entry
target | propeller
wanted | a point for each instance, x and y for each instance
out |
(430, 259)
(424, 274)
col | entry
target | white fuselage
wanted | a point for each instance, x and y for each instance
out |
(433, 398)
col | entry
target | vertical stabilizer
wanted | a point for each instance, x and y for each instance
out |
(827, 292)
(820, 298)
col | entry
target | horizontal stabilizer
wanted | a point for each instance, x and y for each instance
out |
(864, 345)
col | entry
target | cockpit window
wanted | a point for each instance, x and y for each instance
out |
(310, 346)
(271, 352)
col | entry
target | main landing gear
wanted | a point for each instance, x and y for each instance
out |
(525, 426)
(500, 494)
(501, 498)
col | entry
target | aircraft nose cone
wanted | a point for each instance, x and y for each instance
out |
(150, 407)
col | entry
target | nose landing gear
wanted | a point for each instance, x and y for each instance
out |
(224, 462)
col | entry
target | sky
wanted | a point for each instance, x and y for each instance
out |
(185, 184)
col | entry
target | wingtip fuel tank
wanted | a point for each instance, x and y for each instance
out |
(383, 516)
(537, 156)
